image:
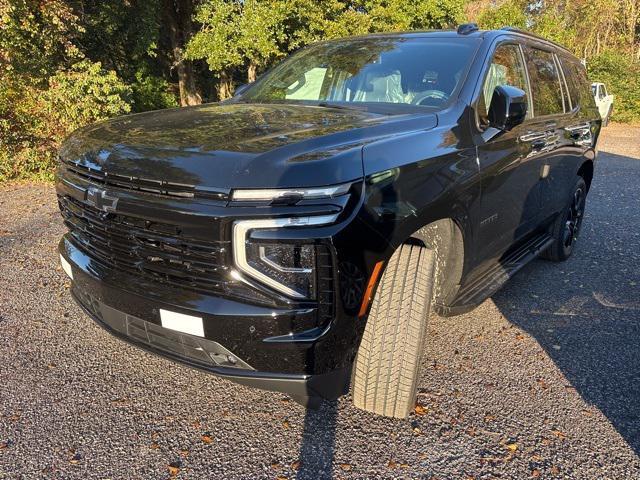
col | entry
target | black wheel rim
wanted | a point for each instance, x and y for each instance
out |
(574, 219)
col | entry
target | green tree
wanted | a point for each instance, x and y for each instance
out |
(234, 34)
(510, 13)
(36, 37)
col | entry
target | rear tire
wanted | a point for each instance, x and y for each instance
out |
(567, 226)
(386, 368)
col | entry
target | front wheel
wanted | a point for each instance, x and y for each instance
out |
(567, 226)
(386, 368)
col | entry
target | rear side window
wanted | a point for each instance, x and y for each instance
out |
(545, 82)
(506, 68)
(580, 89)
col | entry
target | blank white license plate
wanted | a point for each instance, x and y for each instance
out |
(182, 323)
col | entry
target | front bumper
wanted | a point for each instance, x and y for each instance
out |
(238, 338)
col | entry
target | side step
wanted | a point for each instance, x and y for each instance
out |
(477, 291)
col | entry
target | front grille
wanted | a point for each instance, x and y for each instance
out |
(139, 184)
(157, 251)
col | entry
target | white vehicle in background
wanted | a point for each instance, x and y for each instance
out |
(604, 101)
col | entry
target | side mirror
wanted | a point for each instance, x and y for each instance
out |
(240, 88)
(508, 107)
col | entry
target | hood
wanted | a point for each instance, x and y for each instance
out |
(236, 145)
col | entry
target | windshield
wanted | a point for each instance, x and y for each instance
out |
(410, 71)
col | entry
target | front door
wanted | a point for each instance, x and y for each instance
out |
(509, 162)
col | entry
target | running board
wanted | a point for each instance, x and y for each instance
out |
(477, 291)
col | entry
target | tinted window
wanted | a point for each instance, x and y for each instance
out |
(418, 71)
(506, 69)
(545, 82)
(580, 89)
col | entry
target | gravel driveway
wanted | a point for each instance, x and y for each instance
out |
(542, 380)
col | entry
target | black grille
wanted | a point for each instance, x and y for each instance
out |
(139, 184)
(325, 285)
(154, 250)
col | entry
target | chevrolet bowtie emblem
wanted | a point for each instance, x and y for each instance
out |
(101, 200)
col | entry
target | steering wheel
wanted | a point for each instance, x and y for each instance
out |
(435, 94)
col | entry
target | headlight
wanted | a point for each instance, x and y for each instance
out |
(287, 267)
(290, 195)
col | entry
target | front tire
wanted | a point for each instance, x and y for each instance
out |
(386, 368)
(567, 226)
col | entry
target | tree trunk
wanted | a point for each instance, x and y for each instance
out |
(251, 72)
(178, 15)
(225, 86)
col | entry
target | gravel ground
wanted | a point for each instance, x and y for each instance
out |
(542, 380)
(621, 139)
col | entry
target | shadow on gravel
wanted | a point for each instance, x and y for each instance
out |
(318, 443)
(585, 312)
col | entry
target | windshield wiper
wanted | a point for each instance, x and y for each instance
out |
(340, 106)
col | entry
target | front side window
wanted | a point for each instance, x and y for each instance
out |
(545, 82)
(406, 71)
(506, 68)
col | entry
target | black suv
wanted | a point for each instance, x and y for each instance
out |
(295, 237)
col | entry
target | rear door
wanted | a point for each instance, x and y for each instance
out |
(577, 136)
(548, 129)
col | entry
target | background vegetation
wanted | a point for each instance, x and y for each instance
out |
(68, 63)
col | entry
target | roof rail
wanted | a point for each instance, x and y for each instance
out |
(533, 35)
(467, 28)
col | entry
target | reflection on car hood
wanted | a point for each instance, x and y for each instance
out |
(237, 145)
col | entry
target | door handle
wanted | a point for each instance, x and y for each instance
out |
(533, 137)
(581, 134)
(576, 128)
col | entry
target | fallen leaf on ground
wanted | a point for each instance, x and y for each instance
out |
(420, 410)
(345, 466)
(512, 447)
(295, 465)
(535, 473)
(174, 468)
(206, 439)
